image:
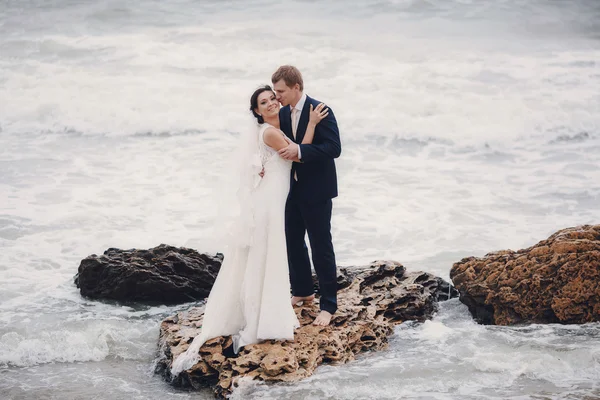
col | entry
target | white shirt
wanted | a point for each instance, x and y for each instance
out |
(299, 106)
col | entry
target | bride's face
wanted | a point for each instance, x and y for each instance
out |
(268, 106)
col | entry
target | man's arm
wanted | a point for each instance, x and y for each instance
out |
(330, 148)
(278, 141)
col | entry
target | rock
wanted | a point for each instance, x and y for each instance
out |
(555, 281)
(373, 299)
(163, 274)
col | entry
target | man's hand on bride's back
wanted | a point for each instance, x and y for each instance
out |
(318, 114)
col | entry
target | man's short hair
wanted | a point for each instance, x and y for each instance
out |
(290, 76)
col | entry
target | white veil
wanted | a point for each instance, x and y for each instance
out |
(236, 220)
(248, 165)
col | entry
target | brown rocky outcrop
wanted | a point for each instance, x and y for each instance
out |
(163, 274)
(372, 299)
(557, 280)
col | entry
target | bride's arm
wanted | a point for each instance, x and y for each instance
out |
(275, 139)
(316, 115)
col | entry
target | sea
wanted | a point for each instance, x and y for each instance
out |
(467, 126)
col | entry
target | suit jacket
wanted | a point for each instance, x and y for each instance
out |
(317, 178)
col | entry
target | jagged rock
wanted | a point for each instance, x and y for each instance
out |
(375, 298)
(555, 281)
(163, 274)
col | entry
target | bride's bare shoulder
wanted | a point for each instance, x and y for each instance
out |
(274, 138)
(271, 131)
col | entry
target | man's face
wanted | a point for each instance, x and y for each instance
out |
(285, 94)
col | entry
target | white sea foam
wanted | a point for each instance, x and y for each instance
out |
(401, 80)
(73, 341)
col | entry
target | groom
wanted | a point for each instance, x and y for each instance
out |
(313, 185)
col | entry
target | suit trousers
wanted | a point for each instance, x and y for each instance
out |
(314, 218)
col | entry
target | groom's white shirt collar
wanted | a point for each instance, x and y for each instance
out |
(300, 104)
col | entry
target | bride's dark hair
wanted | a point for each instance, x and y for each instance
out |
(254, 101)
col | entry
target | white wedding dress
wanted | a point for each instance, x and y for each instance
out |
(250, 298)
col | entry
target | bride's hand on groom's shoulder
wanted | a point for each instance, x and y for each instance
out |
(318, 113)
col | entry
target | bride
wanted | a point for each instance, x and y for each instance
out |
(250, 298)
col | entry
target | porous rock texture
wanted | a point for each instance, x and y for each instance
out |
(163, 274)
(371, 300)
(554, 281)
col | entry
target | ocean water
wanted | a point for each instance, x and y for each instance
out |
(467, 126)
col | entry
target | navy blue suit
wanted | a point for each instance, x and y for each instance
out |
(308, 207)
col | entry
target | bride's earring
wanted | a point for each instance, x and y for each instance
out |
(260, 115)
